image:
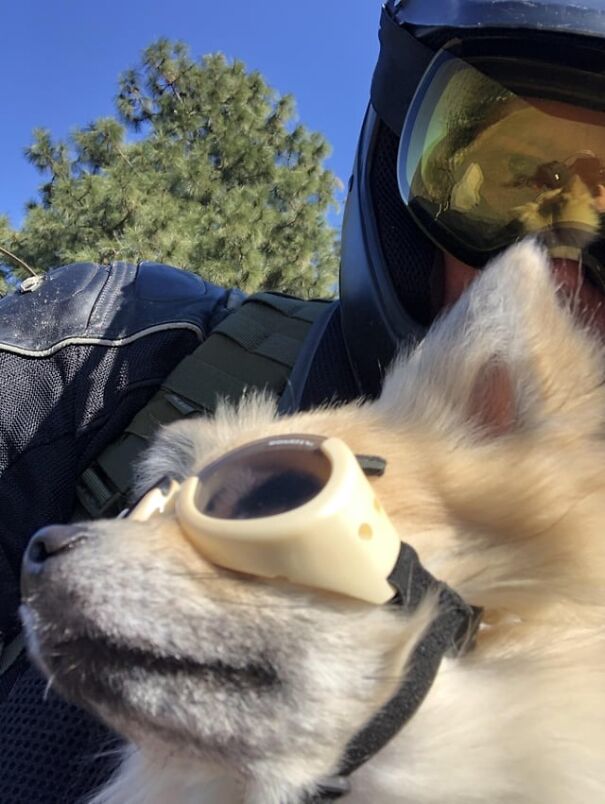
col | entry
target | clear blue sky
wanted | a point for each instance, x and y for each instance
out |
(59, 62)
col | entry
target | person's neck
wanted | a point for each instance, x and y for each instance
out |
(588, 302)
(455, 276)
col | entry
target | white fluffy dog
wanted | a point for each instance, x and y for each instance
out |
(232, 689)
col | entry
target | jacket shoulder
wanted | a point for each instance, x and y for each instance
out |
(90, 303)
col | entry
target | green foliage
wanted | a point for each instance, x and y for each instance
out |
(206, 170)
(8, 245)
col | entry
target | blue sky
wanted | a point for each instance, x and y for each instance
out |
(59, 62)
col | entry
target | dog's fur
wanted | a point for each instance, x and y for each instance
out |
(234, 689)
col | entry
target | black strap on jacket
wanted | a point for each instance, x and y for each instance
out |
(253, 348)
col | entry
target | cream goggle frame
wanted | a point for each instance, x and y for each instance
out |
(297, 507)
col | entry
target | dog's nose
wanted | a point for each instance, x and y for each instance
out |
(48, 542)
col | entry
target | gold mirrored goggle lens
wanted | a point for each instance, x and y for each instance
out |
(482, 167)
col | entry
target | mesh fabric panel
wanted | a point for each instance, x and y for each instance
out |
(50, 752)
(408, 253)
(58, 413)
(330, 377)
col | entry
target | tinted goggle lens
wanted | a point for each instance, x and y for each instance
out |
(481, 167)
(265, 478)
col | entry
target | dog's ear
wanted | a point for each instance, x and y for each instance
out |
(509, 355)
(492, 401)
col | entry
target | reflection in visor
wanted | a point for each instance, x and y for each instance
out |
(266, 478)
(481, 167)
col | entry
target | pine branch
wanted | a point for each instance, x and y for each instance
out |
(21, 263)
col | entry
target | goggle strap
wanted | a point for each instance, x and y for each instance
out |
(457, 620)
(452, 633)
(401, 64)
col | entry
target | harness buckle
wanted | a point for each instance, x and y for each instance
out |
(96, 495)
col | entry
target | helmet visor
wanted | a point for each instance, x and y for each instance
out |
(480, 166)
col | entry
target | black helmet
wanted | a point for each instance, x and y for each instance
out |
(546, 49)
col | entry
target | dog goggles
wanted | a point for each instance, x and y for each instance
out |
(297, 507)
(480, 166)
(300, 508)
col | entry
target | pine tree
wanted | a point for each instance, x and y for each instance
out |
(202, 167)
(10, 265)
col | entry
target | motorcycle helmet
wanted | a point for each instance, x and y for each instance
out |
(486, 122)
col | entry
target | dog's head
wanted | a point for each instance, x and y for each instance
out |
(491, 430)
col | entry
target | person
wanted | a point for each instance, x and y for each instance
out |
(486, 123)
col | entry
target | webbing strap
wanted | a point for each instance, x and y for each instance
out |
(10, 652)
(255, 347)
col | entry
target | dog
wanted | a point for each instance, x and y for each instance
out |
(234, 689)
